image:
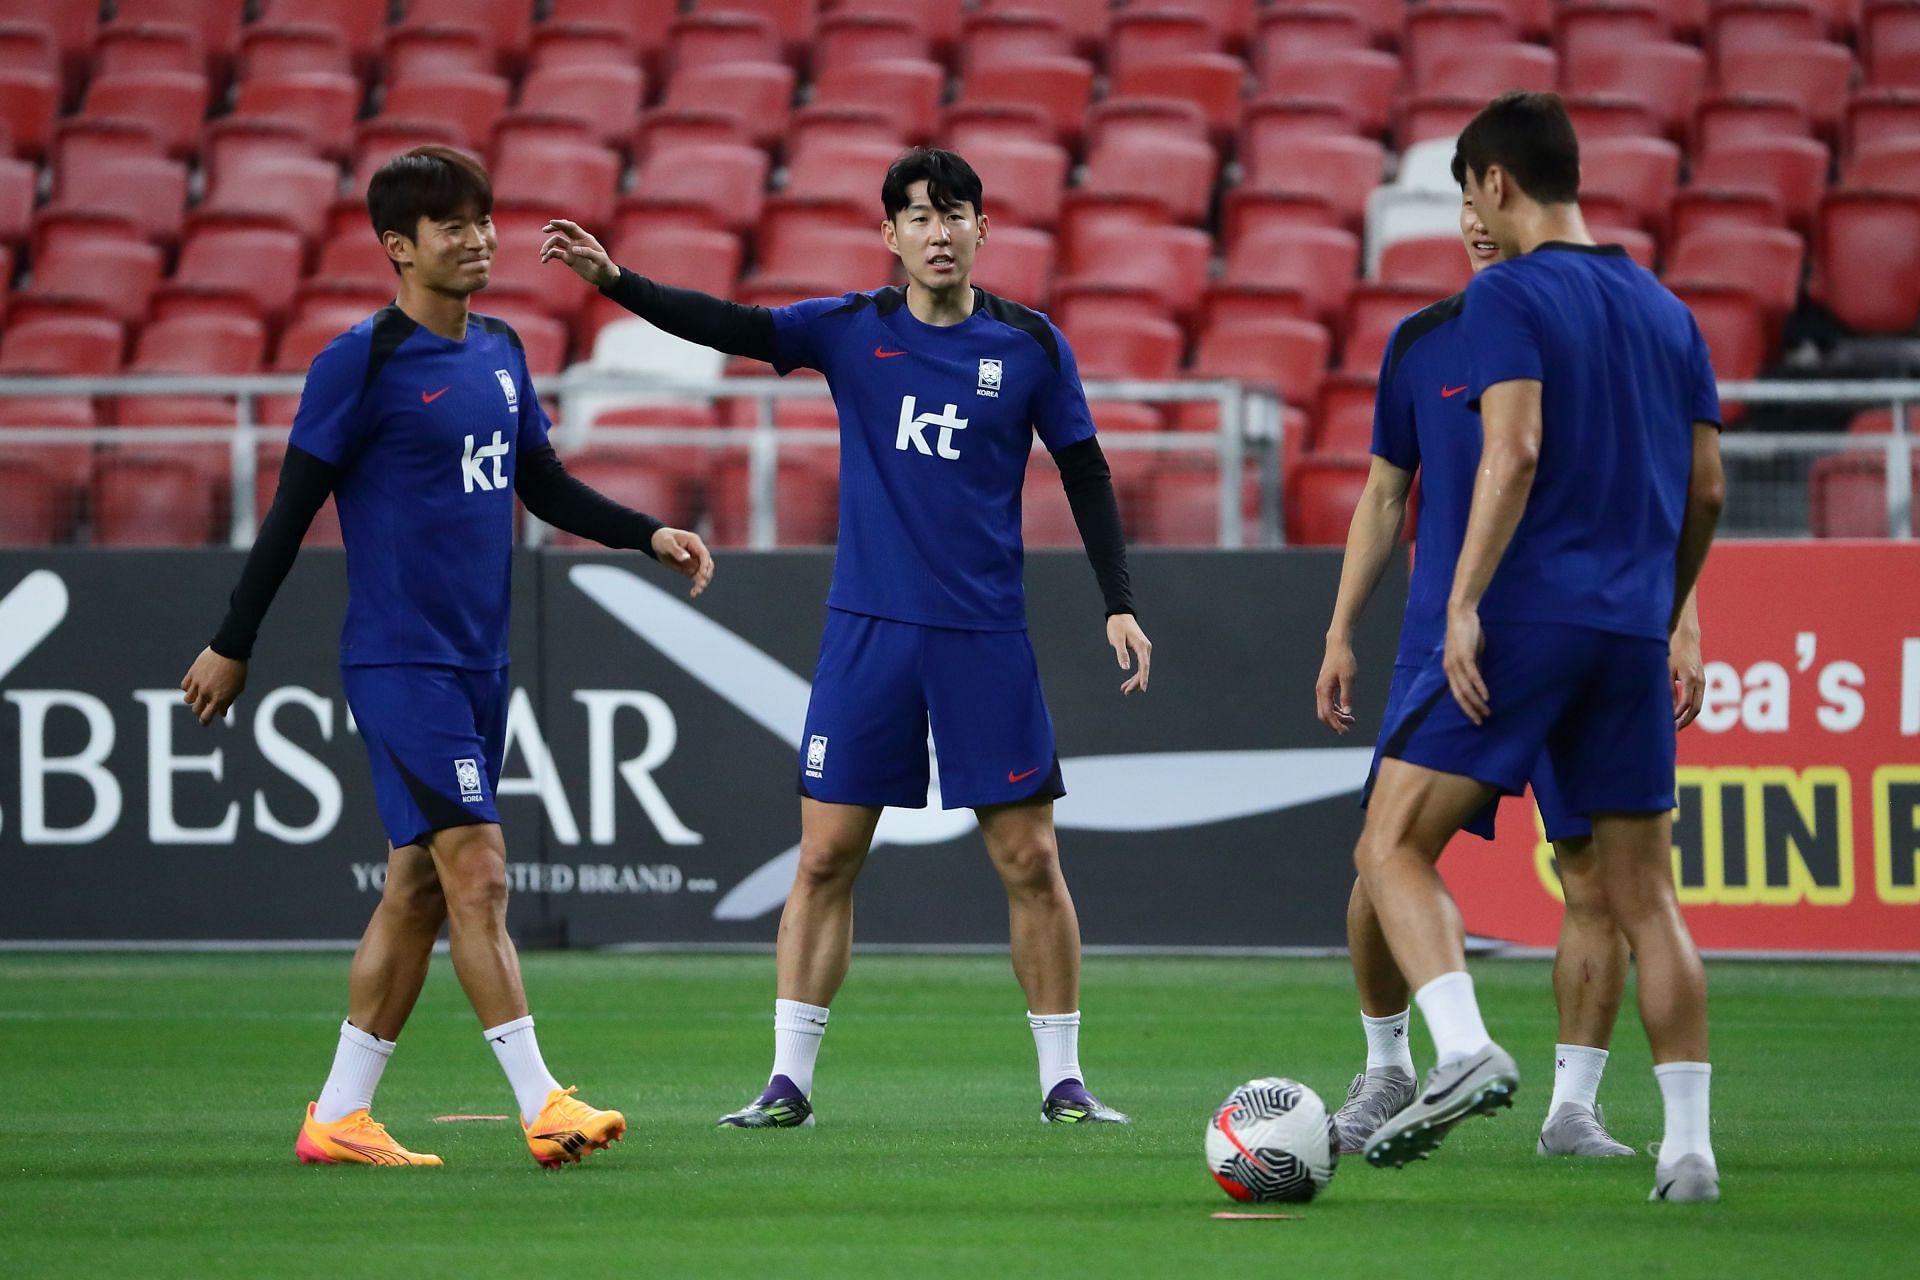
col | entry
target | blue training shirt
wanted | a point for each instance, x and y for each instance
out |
(429, 433)
(1624, 376)
(1421, 421)
(936, 427)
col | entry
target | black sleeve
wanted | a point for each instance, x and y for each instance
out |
(735, 328)
(1096, 513)
(565, 502)
(305, 482)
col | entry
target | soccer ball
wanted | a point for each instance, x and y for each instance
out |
(1271, 1140)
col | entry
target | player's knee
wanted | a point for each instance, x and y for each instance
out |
(418, 900)
(1029, 866)
(473, 874)
(825, 865)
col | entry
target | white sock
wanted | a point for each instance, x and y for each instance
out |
(1452, 1016)
(519, 1054)
(1056, 1038)
(1684, 1086)
(798, 1030)
(357, 1065)
(1387, 1042)
(1576, 1075)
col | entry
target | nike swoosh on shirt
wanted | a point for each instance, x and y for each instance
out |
(1441, 1096)
(429, 399)
(885, 355)
(1016, 777)
(1448, 393)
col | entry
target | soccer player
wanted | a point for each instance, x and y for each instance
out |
(940, 387)
(1596, 494)
(1422, 422)
(423, 424)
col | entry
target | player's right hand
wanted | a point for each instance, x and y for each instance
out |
(684, 553)
(1461, 661)
(1333, 691)
(573, 246)
(212, 684)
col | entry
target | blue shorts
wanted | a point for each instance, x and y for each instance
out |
(436, 738)
(1600, 705)
(1560, 822)
(879, 686)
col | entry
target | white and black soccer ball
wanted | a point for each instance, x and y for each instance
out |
(1271, 1140)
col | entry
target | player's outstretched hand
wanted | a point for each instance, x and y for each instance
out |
(1124, 634)
(212, 684)
(684, 553)
(1689, 676)
(1462, 663)
(1333, 691)
(573, 246)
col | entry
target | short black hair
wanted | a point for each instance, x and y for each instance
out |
(951, 181)
(1531, 137)
(427, 182)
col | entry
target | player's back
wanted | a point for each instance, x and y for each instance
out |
(1624, 375)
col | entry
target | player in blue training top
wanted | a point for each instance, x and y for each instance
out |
(940, 387)
(1597, 490)
(423, 424)
(1422, 423)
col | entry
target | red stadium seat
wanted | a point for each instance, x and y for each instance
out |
(670, 127)
(786, 214)
(361, 23)
(1091, 223)
(1288, 357)
(535, 131)
(1153, 34)
(1267, 120)
(171, 103)
(438, 49)
(1584, 27)
(509, 22)
(234, 144)
(325, 529)
(1792, 170)
(1176, 171)
(1697, 209)
(1722, 121)
(1867, 260)
(261, 263)
(846, 39)
(1880, 115)
(607, 97)
(907, 90)
(1887, 166)
(1017, 263)
(1435, 31)
(1179, 503)
(355, 257)
(72, 26)
(1062, 87)
(1737, 26)
(116, 276)
(584, 44)
(1248, 212)
(796, 21)
(469, 104)
(1664, 79)
(292, 191)
(542, 337)
(1085, 20)
(151, 502)
(1847, 496)
(1079, 302)
(841, 170)
(517, 266)
(1638, 244)
(1426, 119)
(728, 181)
(1432, 262)
(1890, 41)
(1321, 496)
(1343, 422)
(129, 48)
(1116, 116)
(149, 191)
(57, 346)
(1318, 261)
(322, 103)
(1371, 314)
(1605, 115)
(989, 38)
(858, 258)
(705, 38)
(1167, 263)
(1362, 81)
(1233, 301)
(1028, 180)
(215, 24)
(940, 19)
(1211, 81)
(228, 345)
(757, 94)
(567, 180)
(1639, 173)
(379, 140)
(633, 477)
(869, 124)
(1343, 171)
(1490, 70)
(1046, 518)
(648, 22)
(29, 46)
(35, 507)
(1734, 327)
(1288, 33)
(1765, 261)
(1126, 347)
(18, 182)
(806, 503)
(1815, 75)
(274, 49)
(965, 124)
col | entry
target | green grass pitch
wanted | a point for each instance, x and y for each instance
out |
(151, 1104)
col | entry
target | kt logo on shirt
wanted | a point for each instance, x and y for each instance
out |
(474, 476)
(913, 430)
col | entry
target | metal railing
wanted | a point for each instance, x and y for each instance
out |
(1768, 472)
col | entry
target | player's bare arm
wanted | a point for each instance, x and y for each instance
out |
(1509, 456)
(1706, 495)
(1370, 538)
(1685, 666)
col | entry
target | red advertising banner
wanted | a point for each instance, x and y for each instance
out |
(1798, 826)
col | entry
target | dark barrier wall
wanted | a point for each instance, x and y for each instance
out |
(649, 787)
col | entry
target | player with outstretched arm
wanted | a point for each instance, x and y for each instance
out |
(1422, 423)
(941, 387)
(422, 422)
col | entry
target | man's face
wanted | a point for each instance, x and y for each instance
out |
(1491, 194)
(1482, 252)
(451, 255)
(935, 245)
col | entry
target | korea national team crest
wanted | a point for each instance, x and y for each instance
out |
(506, 385)
(467, 772)
(989, 379)
(816, 754)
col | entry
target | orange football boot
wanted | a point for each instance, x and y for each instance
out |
(567, 1129)
(356, 1138)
